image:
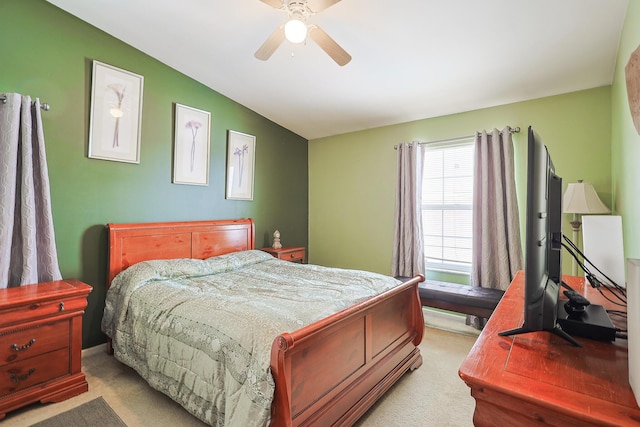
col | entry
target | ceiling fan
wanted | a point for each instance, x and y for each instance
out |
(297, 28)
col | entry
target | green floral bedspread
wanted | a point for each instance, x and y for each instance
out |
(201, 331)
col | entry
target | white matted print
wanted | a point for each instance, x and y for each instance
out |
(116, 114)
(241, 155)
(191, 145)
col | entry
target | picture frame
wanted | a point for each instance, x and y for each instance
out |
(192, 140)
(116, 114)
(241, 149)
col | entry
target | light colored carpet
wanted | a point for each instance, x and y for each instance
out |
(433, 395)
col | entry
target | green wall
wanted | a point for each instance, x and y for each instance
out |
(625, 140)
(339, 189)
(48, 53)
(352, 176)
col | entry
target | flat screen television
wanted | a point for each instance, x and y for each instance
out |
(543, 248)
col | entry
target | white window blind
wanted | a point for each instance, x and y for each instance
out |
(447, 199)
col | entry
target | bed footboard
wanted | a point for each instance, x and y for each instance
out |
(332, 371)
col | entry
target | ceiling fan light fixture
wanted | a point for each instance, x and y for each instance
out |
(295, 31)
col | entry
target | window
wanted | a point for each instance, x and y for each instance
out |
(447, 199)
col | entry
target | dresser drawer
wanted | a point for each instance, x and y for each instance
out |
(41, 309)
(24, 343)
(33, 371)
(297, 255)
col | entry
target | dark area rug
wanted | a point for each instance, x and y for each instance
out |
(95, 413)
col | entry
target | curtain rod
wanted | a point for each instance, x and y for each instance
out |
(460, 138)
(44, 106)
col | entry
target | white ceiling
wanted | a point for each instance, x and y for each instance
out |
(412, 59)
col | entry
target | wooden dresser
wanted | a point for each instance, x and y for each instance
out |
(41, 343)
(538, 378)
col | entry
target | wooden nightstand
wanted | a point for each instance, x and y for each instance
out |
(288, 253)
(41, 343)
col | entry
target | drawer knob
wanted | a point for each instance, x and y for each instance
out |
(16, 347)
(62, 306)
(18, 378)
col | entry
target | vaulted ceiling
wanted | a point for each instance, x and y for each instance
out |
(411, 59)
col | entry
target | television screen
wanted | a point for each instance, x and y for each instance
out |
(543, 248)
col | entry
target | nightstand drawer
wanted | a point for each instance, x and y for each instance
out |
(24, 343)
(288, 253)
(40, 309)
(33, 371)
(297, 255)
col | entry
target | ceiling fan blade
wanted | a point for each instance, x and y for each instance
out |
(270, 45)
(329, 45)
(274, 3)
(320, 5)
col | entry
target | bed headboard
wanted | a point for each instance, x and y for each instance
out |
(132, 243)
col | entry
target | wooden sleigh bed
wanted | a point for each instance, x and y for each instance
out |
(375, 341)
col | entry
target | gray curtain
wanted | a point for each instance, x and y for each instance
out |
(408, 239)
(27, 242)
(497, 247)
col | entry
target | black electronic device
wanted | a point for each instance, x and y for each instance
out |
(577, 316)
(543, 309)
(576, 304)
(592, 322)
(543, 248)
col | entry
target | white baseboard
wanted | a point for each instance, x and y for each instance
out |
(95, 349)
(448, 321)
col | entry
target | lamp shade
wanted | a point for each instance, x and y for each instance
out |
(581, 198)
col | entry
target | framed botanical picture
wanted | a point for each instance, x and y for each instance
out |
(116, 114)
(241, 157)
(191, 146)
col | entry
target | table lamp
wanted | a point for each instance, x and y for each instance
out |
(580, 199)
